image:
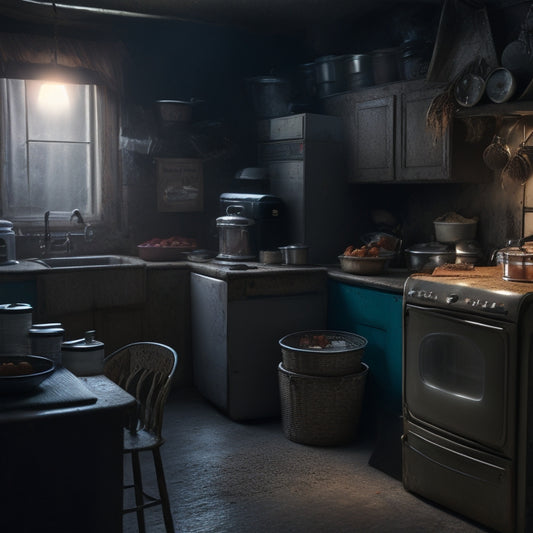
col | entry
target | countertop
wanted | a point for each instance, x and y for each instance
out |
(108, 396)
(393, 280)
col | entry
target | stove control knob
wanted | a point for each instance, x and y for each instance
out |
(452, 298)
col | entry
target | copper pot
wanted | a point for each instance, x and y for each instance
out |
(518, 261)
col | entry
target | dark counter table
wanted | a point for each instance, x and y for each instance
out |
(62, 467)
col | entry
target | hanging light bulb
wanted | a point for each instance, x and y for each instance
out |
(53, 96)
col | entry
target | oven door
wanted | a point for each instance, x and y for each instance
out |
(460, 375)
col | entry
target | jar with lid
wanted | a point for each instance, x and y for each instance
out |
(83, 357)
(46, 340)
(15, 322)
(7, 243)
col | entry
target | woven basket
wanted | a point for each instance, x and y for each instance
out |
(343, 356)
(321, 411)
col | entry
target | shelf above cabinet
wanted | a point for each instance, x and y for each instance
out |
(509, 109)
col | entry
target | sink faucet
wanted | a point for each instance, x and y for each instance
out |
(76, 214)
(63, 245)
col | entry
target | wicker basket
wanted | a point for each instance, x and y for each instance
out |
(321, 411)
(342, 356)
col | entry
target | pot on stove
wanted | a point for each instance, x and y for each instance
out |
(517, 260)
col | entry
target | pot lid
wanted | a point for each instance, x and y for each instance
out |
(431, 248)
(234, 220)
(5, 224)
(46, 332)
(268, 80)
(294, 247)
(15, 308)
(515, 251)
(184, 102)
(468, 248)
(88, 343)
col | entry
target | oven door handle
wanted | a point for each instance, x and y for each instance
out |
(466, 321)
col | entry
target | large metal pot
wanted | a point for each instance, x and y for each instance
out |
(425, 257)
(170, 112)
(236, 241)
(294, 254)
(270, 96)
(518, 261)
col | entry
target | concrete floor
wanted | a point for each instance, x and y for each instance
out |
(225, 476)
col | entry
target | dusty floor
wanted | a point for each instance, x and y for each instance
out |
(225, 476)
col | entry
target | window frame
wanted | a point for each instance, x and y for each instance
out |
(108, 197)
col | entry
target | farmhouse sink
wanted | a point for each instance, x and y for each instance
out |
(86, 261)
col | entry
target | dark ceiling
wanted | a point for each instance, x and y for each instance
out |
(251, 14)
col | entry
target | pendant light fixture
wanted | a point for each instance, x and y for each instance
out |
(53, 95)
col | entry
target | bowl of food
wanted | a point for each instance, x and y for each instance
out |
(173, 248)
(368, 260)
(452, 228)
(23, 373)
(322, 352)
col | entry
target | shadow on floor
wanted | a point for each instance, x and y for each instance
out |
(225, 476)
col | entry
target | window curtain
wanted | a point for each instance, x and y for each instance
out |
(34, 56)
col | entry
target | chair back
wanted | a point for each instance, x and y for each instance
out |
(145, 370)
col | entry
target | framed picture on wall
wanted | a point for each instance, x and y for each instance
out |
(180, 184)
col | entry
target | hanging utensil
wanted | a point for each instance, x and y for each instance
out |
(500, 86)
(519, 166)
(497, 154)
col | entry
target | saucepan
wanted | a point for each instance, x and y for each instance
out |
(518, 260)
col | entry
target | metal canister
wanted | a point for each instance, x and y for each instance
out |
(15, 322)
(83, 357)
(385, 65)
(235, 238)
(358, 71)
(329, 71)
(7, 243)
(46, 340)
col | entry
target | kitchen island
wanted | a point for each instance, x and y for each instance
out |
(61, 460)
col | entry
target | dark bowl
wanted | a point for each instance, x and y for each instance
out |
(42, 368)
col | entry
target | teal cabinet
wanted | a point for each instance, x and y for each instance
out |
(377, 316)
(23, 291)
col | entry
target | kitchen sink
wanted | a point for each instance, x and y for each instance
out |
(85, 261)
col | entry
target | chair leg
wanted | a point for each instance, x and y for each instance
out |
(163, 492)
(139, 498)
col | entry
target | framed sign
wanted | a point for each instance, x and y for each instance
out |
(179, 184)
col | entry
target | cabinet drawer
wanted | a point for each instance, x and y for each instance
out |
(308, 126)
(281, 151)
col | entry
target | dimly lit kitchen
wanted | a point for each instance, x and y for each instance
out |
(264, 266)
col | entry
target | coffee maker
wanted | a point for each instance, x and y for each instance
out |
(266, 210)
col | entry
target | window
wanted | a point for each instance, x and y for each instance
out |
(51, 149)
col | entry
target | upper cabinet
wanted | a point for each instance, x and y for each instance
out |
(388, 140)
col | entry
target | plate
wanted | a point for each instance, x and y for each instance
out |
(469, 90)
(43, 368)
(501, 85)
